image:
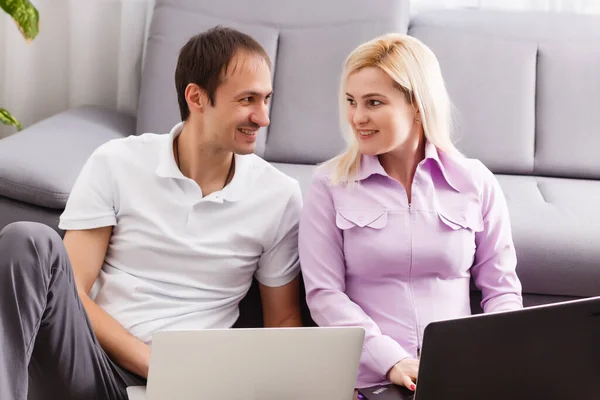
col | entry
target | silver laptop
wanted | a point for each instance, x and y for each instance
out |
(243, 364)
(543, 352)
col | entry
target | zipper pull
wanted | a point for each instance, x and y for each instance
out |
(418, 352)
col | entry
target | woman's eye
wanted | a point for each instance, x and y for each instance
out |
(375, 103)
(350, 101)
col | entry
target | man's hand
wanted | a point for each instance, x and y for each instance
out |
(405, 373)
(281, 306)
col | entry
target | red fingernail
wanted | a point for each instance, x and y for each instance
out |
(412, 387)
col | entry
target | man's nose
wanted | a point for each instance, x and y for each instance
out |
(261, 116)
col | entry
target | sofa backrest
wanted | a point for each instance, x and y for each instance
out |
(526, 87)
(307, 41)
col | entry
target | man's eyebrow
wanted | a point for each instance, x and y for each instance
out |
(254, 93)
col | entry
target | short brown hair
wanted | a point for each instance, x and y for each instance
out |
(204, 59)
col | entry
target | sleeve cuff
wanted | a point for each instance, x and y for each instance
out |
(87, 223)
(279, 280)
(506, 302)
(383, 353)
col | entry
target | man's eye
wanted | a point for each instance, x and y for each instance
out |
(247, 100)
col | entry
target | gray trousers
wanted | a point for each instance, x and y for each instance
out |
(46, 339)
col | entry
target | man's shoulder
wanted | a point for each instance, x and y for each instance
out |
(128, 148)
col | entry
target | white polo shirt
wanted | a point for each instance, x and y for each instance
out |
(176, 259)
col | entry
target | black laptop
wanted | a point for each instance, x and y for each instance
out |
(543, 352)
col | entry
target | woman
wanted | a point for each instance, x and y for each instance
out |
(393, 228)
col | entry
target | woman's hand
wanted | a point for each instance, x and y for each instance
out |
(405, 373)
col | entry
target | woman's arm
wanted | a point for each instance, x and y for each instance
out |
(323, 268)
(494, 269)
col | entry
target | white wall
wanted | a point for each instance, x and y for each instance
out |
(579, 6)
(87, 52)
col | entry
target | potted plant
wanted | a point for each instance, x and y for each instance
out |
(26, 17)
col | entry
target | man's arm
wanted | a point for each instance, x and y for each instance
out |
(87, 250)
(281, 306)
(279, 267)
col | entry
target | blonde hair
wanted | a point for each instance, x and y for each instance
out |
(416, 72)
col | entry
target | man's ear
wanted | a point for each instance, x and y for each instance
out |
(196, 98)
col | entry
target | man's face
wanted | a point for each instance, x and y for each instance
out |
(241, 104)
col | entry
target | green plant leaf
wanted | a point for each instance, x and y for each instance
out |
(8, 119)
(25, 15)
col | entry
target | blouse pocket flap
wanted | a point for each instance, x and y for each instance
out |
(463, 219)
(346, 219)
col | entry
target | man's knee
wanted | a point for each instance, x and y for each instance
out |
(23, 231)
(23, 239)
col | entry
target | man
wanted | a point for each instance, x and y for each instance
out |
(171, 227)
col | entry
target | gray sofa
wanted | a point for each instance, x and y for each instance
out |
(526, 89)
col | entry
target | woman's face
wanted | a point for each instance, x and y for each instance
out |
(381, 118)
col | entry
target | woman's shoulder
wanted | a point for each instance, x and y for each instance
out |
(324, 173)
(326, 178)
(321, 175)
(469, 173)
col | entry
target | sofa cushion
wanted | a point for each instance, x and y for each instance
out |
(171, 28)
(39, 165)
(525, 86)
(556, 226)
(491, 82)
(568, 109)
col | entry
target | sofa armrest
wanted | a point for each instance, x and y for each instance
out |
(39, 164)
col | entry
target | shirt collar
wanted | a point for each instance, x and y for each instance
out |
(240, 182)
(234, 191)
(370, 165)
(167, 167)
(432, 153)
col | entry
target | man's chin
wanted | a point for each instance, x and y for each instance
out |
(245, 150)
